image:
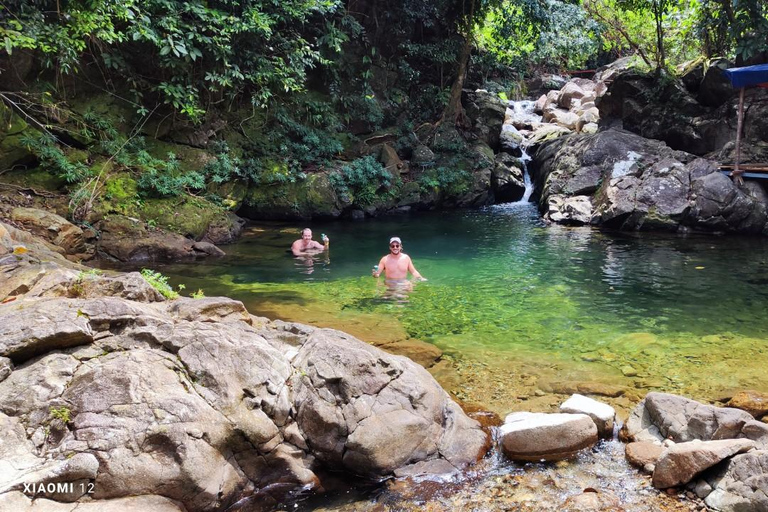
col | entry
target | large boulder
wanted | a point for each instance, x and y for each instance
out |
(660, 416)
(485, 111)
(56, 229)
(195, 401)
(637, 183)
(530, 436)
(680, 463)
(741, 485)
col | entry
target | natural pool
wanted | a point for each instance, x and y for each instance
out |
(521, 307)
(525, 314)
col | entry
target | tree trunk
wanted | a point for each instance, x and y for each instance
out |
(661, 60)
(454, 111)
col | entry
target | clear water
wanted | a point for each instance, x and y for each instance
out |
(522, 310)
(517, 306)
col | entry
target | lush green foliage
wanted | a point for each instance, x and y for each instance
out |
(361, 181)
(160, 283)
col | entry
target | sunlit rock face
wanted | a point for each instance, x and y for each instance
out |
(695, 437)
(107, 384)
(642, 184)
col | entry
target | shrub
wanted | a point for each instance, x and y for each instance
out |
(360, 181)
(160, 283)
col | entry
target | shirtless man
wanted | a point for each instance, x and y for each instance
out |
(396, 265)
(305, 245)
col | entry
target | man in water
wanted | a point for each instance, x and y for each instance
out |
(305, 245)
(396, 264)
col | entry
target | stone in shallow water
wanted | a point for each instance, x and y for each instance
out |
(539, 436)
(754, 402)
(602, 414)
(643, 454)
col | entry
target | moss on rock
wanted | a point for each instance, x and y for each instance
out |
(311, 197)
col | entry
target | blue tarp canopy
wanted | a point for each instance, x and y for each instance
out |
(749, 75)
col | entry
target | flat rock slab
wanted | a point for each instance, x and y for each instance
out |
(602, 414)
(539, 436)
(680, 463)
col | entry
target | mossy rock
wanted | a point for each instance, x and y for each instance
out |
(188, 216)
(12, 130)
(119, 195)
(37, 178)
(311, 197)
(232, 193)
(191, 159)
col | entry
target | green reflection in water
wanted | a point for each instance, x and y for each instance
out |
(677, 314)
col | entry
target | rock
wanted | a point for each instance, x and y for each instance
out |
(422, 155)
(224, 228)
(511, 140)
(681, 462)
(592, 501)
(643, 454)
(54, 228)
(19, 502)
(602, 414)
(377, 432)
(642, 184)
(391, 160)
(507, 180)
(576, 210)
(209, 309)
(660, 416)
(127, 240)
(6, 367)
(485, 111)
(754, 402)
(715, 88)
(207, 248)
(546, 132)
(568, 94)
(756, 431)
(741, 485)
(28, 330)
(539, 436)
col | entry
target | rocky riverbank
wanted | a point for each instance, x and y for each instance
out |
(113, 395)
(193, 404)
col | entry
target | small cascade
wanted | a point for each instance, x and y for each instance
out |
(524, 159)
(519, 122)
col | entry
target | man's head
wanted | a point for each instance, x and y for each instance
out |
(306, 234)
(395, 245)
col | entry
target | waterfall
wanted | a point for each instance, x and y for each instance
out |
(519, 121)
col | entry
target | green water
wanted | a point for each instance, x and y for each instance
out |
(517, 306)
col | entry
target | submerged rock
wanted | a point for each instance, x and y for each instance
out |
(602, 414)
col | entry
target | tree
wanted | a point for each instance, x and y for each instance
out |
(658, 8)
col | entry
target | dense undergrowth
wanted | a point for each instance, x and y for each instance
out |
(138, 100)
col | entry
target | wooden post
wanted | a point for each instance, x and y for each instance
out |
(736, 171)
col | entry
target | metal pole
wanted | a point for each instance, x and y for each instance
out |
(736, 171)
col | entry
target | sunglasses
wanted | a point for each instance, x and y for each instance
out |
(394, 245)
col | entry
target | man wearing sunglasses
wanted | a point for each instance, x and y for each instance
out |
(396, 264)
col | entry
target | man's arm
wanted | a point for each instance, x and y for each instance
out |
(317, 245)
(412, 269)
(382, 267)
(296, 248)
